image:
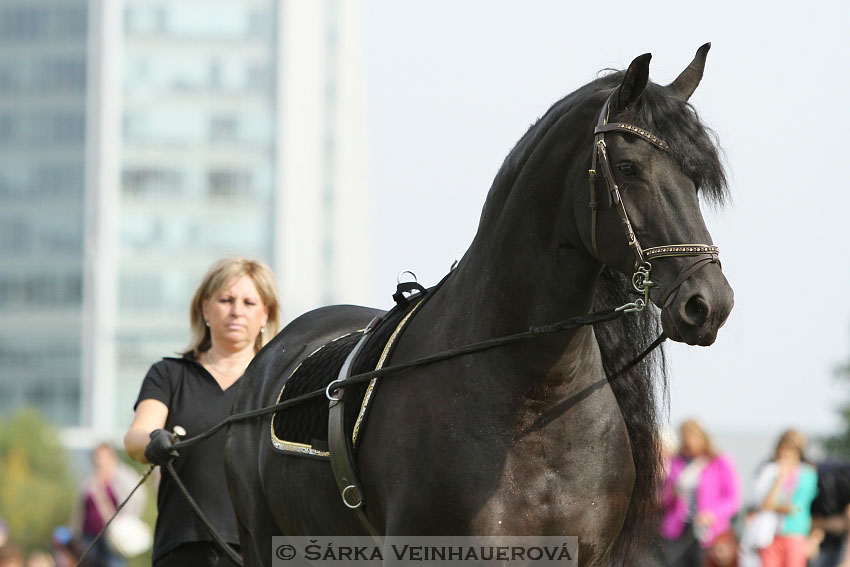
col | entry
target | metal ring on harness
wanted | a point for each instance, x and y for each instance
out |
(345, 501)
(328, 390)
(401, 273)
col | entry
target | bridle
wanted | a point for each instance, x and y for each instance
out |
(706, 253)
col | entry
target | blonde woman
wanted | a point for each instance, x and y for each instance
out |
(701, 496)
(233, 314)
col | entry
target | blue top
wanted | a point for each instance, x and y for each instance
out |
(799, 521)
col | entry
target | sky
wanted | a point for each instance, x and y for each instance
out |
(452, 85)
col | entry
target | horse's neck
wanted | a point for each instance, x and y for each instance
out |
(510, 291)
(528, 267)
(484, 300)
(516, 280)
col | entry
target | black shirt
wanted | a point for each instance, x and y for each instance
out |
(196, 402)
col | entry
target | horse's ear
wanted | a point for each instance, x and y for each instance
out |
(634, 81)
(686, 83)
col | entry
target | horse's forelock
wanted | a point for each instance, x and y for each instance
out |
(694, 146)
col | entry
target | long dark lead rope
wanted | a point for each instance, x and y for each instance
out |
(568, 324)
(235, 557)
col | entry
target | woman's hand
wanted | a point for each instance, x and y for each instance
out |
(160, 450)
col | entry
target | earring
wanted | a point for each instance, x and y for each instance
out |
(207, 323)
(262, 330)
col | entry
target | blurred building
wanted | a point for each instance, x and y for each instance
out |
(43, 60)
(140, 141)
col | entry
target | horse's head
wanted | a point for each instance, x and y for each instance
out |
(652, 160)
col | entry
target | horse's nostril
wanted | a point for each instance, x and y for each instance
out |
(696, 311)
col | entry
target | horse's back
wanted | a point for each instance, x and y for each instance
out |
(276, 361)
(259, 387)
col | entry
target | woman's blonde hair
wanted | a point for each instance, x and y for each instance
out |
(694, 426)
(218, 276)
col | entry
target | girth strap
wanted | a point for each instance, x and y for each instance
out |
(341, 456)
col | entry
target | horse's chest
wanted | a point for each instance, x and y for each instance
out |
(570, 475)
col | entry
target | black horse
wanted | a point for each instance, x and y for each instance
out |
(532, 437)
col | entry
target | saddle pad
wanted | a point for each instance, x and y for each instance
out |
(303, 429)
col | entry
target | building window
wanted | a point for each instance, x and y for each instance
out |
(148, 182)
(69, 21)
(61, 74)
(10, 81)
(257, 78)
(58, 129)
(140, 292)
(54, 181)
(42, 291)
(62, 239)
(228, 184)
(9, 129)
(258, 24)
(69, 128)
(22, 22)
(215, 74)
(15, 234)
(223, 129)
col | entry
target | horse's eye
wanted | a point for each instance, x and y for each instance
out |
(627, 168)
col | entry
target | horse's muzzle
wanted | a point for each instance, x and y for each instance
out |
(700, 307)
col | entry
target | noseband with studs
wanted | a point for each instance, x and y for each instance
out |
(706, 253)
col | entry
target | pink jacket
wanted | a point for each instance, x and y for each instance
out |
(717, 492)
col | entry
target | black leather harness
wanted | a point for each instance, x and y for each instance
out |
(340, 444)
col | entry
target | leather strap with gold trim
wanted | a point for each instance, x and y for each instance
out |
(341, 457)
